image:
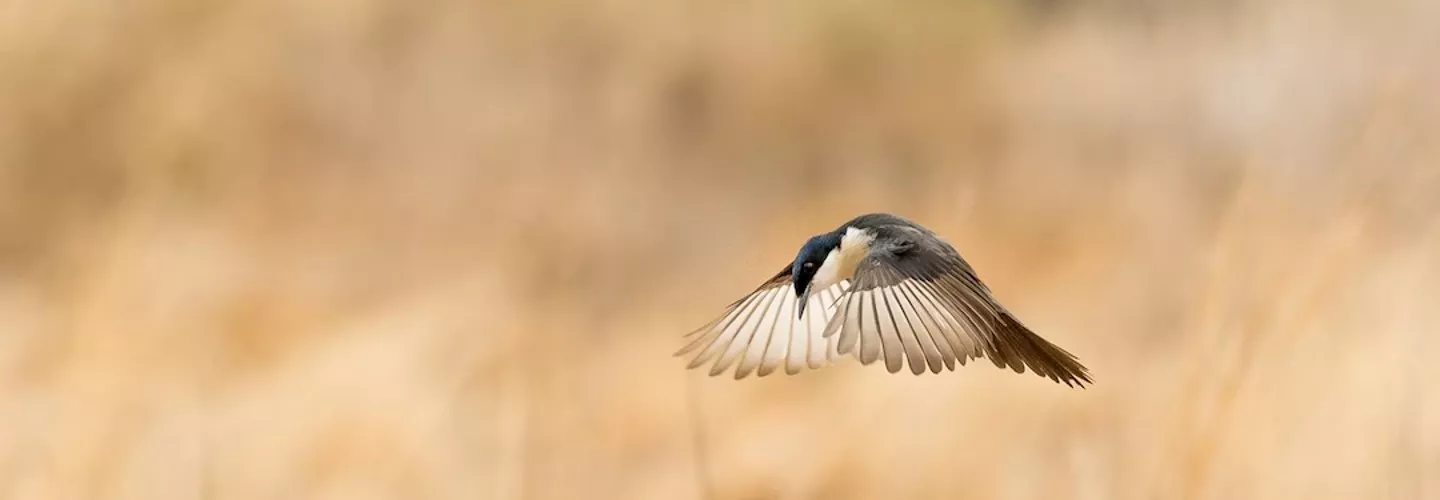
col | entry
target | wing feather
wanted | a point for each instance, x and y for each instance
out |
(746, 332)
(721, 337)
(760, 333)
(937, 344)
(822, 347)
(915, 353)
(944, 320)
(924, 305)
(938, 333)
(764, 334)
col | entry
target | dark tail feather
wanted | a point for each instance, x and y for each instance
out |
(1042, 357)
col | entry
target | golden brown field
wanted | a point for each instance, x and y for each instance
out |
(319, 249)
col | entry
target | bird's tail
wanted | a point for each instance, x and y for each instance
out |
(1020, 348)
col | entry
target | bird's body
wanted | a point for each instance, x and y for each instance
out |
(878, 287)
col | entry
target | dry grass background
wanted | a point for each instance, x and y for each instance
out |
(366, 249)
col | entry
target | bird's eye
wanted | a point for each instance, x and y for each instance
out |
(809, 264)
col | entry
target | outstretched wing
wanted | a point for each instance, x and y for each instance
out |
(762, 331)
(916, 299)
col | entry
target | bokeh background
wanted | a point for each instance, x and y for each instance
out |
(363, 249)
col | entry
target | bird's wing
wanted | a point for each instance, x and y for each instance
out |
(762, 331)
(916, 299)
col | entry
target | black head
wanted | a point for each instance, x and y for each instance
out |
(811, 256)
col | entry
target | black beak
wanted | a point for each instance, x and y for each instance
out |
(804, 296)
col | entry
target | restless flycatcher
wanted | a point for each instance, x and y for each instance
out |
(879, 286)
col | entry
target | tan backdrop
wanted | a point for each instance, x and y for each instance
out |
(331, 249)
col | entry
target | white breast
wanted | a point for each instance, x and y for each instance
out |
(840, 264)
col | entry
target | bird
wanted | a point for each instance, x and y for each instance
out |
(880, 287)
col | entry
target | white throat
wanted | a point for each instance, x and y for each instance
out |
(840, 264)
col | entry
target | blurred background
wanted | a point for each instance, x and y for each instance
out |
(441, 250)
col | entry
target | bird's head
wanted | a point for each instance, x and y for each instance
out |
(809, 261)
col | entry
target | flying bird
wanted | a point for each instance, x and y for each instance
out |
(878, 287)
